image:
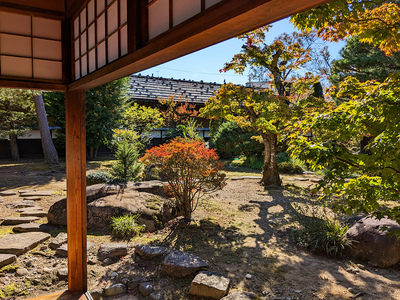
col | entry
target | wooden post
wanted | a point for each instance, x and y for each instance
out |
(76, 190)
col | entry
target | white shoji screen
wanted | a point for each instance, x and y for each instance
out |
(100, 35)
(30, 47)
(165, 14)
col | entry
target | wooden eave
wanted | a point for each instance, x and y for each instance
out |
(222, 21)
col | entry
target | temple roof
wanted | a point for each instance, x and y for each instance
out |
(148, 88)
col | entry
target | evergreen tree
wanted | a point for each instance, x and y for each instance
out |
(17, 116)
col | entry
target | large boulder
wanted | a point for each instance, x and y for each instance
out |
(106, 201)
(181, 264)
(372, 242)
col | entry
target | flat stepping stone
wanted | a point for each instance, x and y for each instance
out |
(8, 193)
(240, 296)
(246, 177)
(111, 250)
(308, 172)
(63, 250)
(18, 220)
(7, 259)
(21, 243)
(20, 204)
(302, 179)
(148, 252)
(32, 227)
(20, 210)
(33, 198)
(26, 191)
(208, 284)
(37, 193)
(33, 213)
(59, 240)
(180, 264)
(315, 180)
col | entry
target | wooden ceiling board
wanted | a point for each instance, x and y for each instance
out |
(223, 21)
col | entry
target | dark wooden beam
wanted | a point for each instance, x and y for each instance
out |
(220, 22)
(32, 85)
(29, 10)
(76, 190)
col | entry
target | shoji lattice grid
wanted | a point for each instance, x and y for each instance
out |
(30, 47)
(100, 35)
(165, 14)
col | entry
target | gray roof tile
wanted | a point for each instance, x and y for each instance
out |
(146, 88)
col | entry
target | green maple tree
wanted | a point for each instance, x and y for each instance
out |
(267, 107)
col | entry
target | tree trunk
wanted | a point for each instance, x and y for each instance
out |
(14, 148)
(270, 174)
(49, 151)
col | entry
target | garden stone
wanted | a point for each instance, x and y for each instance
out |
(315, 180)
(7, 259)
(21, 272)
(125, 280)
(148, 252)
(240, 296)
(302, 179)
(63, 250)
(20, 210)
(115, 289)
(62, 273)
(107, 261)
(373, 243)
(22, 242)
(145, 288)
(33, 198)
(32, 227)
(102, 205)
(18, 220)
(111, 250)
(132, 284)
(208, 284)
(8, 193)
(37, 194)
(33, 213)
(97, 294)
(181, 264)
(20, 204)
(59, 240)
(249, 276)
(114, 275)
(1, 199)
(155, 296)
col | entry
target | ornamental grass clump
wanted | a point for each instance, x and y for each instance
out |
(190, 170)
(320, 233)
(126, 226)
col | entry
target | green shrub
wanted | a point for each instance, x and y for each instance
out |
(126, 226)
(128, 167)
(95, 177)
(230, 140)
(254, 162)
(320, 233)
(288, 167)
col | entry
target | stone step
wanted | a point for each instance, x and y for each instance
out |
(8, 193)
(18, 220)
(25, 191)
(21, 243)
(37, 193)
(29, 208)
(32, 227)
(34, 213)
(33, 198)
(20, 204)
(7, 259)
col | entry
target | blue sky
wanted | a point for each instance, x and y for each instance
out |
(205, 64)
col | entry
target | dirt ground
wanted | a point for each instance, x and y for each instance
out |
(239, 230)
